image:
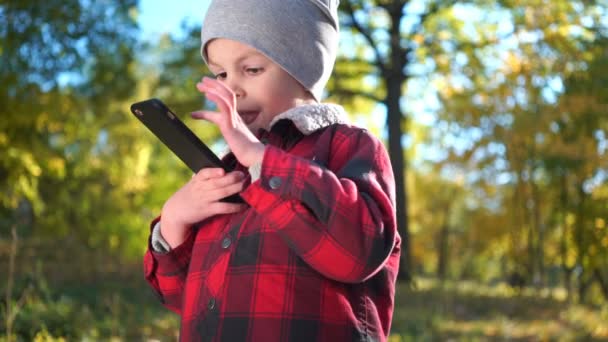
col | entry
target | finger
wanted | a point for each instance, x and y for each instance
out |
(226, 192)
(212, 83)
(209, 173)
(223, 104)
(225, 90)
(234, 188)
(207, 83)
(229, 179)
(214, 192)
(206, 115)
(220, 87)
(209, 196)
(213, 189)
(221, 90)
(212, 94)
(202, 86)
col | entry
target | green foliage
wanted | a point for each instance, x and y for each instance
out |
(80, 177)
(102, 310)
(521, 122)
(183, 67)
(508, 175)
(77, 163)
(59, 109)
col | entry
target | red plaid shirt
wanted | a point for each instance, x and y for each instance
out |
(313, 258)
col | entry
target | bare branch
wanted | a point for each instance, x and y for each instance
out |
(352, 93)
(433, 10)
(366, 35)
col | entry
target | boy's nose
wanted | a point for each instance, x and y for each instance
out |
(238, 92)
(235, 87)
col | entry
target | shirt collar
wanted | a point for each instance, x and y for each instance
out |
(312, 117)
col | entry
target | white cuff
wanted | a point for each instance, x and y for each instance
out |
(255, 171)
(159, 244)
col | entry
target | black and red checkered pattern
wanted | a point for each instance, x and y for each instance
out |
(314, 257)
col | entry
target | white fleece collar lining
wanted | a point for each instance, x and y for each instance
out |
(307, 119)
(312, 117)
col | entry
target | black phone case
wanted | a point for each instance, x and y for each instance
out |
(161, 121)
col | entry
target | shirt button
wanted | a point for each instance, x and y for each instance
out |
(275, 182)
(211, 304)
(226, 242)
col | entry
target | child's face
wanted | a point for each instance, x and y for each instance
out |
(262, 88)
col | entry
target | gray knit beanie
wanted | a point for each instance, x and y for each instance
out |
(299, 35)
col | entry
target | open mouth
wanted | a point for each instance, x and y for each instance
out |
(249, 116)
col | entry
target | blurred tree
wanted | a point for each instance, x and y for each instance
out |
(386, 37)
(182, 66)
(576, 164)
(434, 222)
(506, 106)
(66, 75)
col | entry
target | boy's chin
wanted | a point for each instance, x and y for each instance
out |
(254, 128)
(256, 125)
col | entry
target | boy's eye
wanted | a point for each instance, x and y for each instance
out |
(254, 71)
(220, 76)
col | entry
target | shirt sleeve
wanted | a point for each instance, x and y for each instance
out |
(166, 271)
(341, 219)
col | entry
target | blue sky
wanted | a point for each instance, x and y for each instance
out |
(158, 17)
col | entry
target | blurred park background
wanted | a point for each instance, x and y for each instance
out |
(495, 113)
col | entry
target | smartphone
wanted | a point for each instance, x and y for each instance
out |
(167, 127)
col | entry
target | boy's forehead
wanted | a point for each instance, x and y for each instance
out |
(222, 48)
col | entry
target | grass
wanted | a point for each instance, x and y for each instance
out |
(468, 311)
(126, 310)
(108, 309)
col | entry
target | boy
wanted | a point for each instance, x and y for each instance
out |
(313, 253)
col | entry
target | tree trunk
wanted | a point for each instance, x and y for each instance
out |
(567, 271)
(602, 281)
(583, 287)
(392, 72)
(581, 247)
(539, 262)
(526, 198)
(563, 245)
(394, 121)
(442, 252)
(395, 78)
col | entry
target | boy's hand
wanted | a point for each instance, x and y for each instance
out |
(197, 200)
(243, 143)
